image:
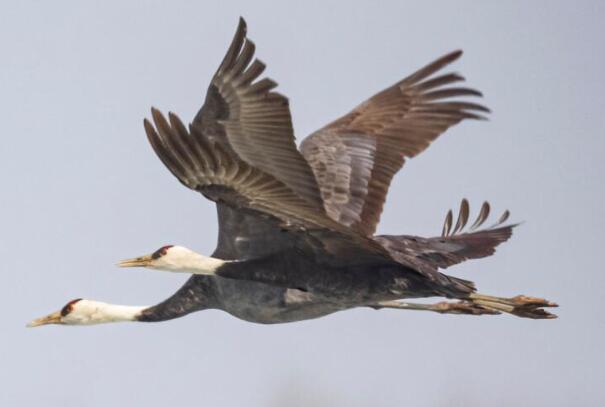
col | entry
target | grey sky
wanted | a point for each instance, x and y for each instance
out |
(82, 189)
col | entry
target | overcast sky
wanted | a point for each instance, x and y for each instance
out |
(82, 189)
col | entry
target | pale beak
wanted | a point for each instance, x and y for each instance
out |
(142, 261)
(54, 318)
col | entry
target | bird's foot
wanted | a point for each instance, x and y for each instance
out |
(521, 305)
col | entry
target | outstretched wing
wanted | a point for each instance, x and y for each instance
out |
(355, 158)
(455, 244)
(242, 114)
(219, 174)
(207, 166)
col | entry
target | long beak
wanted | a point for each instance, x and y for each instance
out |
(142, 261)
(54, 318)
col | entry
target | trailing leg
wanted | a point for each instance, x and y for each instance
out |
(444, 307)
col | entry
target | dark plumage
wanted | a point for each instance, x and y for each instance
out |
(299, 225)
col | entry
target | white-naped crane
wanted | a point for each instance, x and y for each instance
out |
(296, 227)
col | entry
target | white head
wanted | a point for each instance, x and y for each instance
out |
(175, 259)
(88, 312)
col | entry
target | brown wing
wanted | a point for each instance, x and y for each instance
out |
(243, 115)
(355, 158)
(219, 174)
(206, 166)
(455, 245)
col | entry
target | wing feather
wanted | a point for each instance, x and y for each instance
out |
(200, 163)
(243, 114)
(355, 157)
(451, 248)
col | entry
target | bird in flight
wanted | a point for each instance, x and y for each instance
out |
(297, 226)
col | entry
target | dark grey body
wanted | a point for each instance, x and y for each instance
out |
(265, 251)
(244, 236)
(249, 301)
(262, 303)
(341, 283)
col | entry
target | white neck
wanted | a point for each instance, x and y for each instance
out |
(201, 264)
(88, 312)
(189, 262)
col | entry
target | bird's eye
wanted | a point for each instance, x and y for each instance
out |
(69, 307)
(160, 252)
